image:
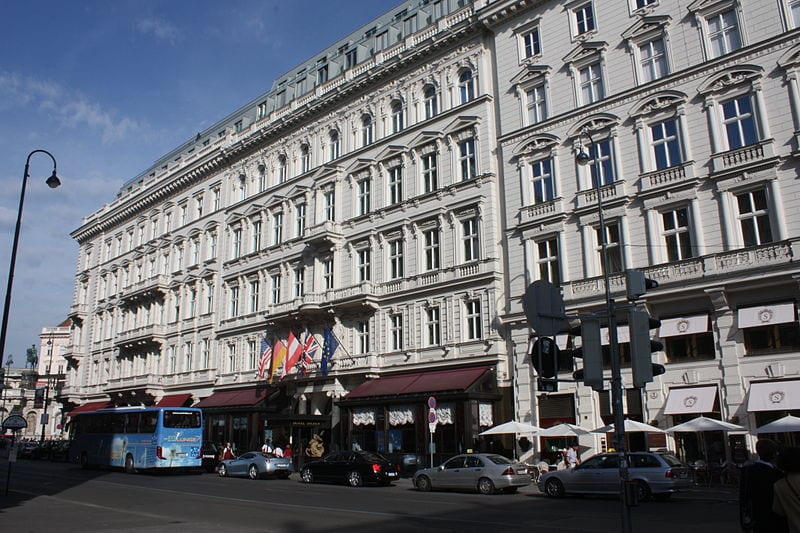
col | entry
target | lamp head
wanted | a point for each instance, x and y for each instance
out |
(582, 157)
(53, 180)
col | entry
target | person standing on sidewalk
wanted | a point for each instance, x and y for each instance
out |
(755, 492)
(787, 490)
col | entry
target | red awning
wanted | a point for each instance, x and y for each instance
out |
(91, 406)
(458, 379)
(243, 397)
(174, 400)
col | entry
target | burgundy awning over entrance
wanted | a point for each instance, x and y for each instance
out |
(243, 397)
(174, 400)
(91, 406)
(457, 379)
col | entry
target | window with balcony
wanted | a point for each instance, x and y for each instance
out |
(362, 330)
(547, 260)
(666, 144)
(233, 301)
(363, 258)
(542, 184)
(363, 196)
(256, 236)
(601, 165)
(467, 159)
(754, 217)
(299, 282)
(327, 273)
(739, 122)
(329, 198)
(367, 132)
(430, 101)
(282, 169)
(305, 159)
(277, 228)
(350, 58)
(398, 119)
(334, 145)
(396, 259)
(395, 185)
(613, 248)
(470, 240)
(466, 86)
(676, 234)
(275, 288)
(430, 181)
(255, 295)
(299, 219)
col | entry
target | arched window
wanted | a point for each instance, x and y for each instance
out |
(305, 159)
(431, 107)
(397, 116)
(366, 130)
(466, 86)
(334, 147)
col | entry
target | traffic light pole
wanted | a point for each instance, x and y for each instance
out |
(616, 371)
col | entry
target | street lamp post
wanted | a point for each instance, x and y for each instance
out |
(52, 182)
(583, 158)
(49, 379)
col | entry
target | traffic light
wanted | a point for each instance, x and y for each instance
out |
(544, 356)
(591, 351)
(642, 346)
(636, 284)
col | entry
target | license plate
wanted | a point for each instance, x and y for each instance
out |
(683, 475)
(522, 471)
(391, 474)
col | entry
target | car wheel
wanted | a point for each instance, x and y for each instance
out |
(129, 468)
(307, 475)
(485, 486)
(554, 488)
(642, 491)
(223, 471)
(423, 484)
(354, 479)
(252, 472)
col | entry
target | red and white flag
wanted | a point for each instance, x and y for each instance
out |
(294, 350)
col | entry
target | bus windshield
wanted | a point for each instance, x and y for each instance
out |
(182, 419)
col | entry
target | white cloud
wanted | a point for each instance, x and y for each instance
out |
(72, 111)
(159, 28)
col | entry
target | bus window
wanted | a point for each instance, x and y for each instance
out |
(181, 419)
(132, 422)
(148, 422)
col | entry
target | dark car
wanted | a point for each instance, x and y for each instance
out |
(54, 450)
(352, 467)
(210, 456)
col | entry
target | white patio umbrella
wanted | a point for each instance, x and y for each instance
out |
(511, 427)
(787, 424)
(702, 423)
(631, 426)
(563, 430)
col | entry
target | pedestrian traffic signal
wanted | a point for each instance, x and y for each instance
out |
(642, 347)
(591, 351)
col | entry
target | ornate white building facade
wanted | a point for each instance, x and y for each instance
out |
(404, 186)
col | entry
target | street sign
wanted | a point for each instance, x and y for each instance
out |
(14, 422)
(432, 420)
(431, 402)
(544, 308)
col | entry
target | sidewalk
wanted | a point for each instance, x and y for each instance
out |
(713, 493)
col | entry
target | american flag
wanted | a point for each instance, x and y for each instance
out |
(266, 355)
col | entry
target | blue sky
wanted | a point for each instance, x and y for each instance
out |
(108, 87)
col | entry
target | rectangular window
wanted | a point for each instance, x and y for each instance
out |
(723, 33)
(542, 186)
(252, 354)
(256, 236)
(396, 331)
(209, 297)
(676, 234)
(467, 159)
(613, 248)
(396, 259)
(238, 126)
(666, 144)
(531, 45)
(300, 219)
(433, 335)
(237, 243)
(205, 354)
(584, 19)
(330, 203)
(653, 60)
(432, 252)
(277, 228)
(351, 58)
(429, 176)
(469, 229)
(772, 338)
(410, 25)
(473, 318)
(739, 122)
(547, 261)
(262, 111)
(275, 288)
(327, 273)
(364, 264)
(753, 213)
(537, 105)
(687, 348)
(255, 293)
(794, 9)
(382, 41)
(363, 196)
(395, 185)
(601, 163)
(233, 310)
(591, 80)
(216, 198)
(363, 336)
(322, 74)
(299, 282)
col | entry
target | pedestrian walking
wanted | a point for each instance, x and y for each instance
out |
(227, 452)
(756, 493)
(786, 502)
(572, 457)
(267, 446)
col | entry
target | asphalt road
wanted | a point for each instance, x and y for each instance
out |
(45, 496)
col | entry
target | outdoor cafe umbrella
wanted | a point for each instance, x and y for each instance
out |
(511, 427)
(703, 423)
(787, 424)
(563, 430)
(631, 426)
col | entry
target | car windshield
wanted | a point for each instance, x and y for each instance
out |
(371, 457)
(499, 460)
(671, 459)
(268, 455)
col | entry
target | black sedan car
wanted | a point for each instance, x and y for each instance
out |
(352, 467)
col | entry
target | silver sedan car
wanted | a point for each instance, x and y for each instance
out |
(485, 472)
(256, 465)
(654, 474)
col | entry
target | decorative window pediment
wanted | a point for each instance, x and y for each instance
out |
(537, 143)
(324, 171)
(790, 59)
(705, 7)
(426, 137)
(595, 123)
(530, 74)
(586, 52)
(461, 123)
(391, 151)
(646, 28)
(733, 76)
(658, 102)
(360, 167)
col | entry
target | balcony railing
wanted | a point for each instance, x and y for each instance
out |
(609, 193)
(149, 333)
(745, 156)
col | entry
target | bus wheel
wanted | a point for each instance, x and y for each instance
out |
(129, 468)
